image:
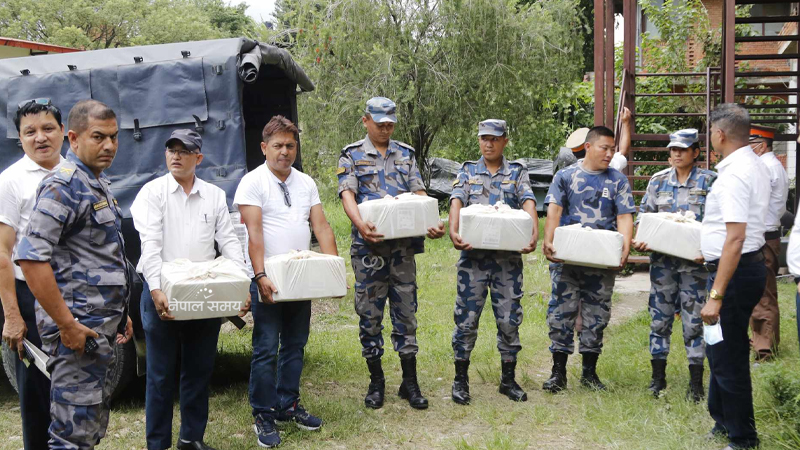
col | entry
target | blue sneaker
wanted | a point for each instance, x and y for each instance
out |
(297, 414)
(265, 430)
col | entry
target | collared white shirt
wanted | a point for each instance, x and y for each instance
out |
(284, 227)
(18, 186)
(739, 195)
(793, 252)
(618, 162)
(174, 225)
(779, 190)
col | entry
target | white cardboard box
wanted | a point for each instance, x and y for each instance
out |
(670, 234)
(498, 227)
(306, 275)
(584, 246)
(407, 215)
(204, 290)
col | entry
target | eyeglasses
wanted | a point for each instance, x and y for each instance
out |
(39, 101)
(181, 151)
(286, 199)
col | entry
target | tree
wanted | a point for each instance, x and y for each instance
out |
(96, 24)
(447, 64)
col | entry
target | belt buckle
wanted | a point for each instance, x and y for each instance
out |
(710, 267)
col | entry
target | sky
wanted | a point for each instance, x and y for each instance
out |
(258, 9)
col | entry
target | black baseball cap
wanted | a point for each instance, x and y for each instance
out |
(189, 138)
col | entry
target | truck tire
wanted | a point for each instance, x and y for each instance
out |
(122, 373)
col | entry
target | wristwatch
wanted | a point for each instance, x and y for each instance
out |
(714, 295)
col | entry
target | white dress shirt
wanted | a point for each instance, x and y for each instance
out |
(18, 186)
(174, 225)
(779, 190)
(284, 227)
(739, 195)
(793, 252)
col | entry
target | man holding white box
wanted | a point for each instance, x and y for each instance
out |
(179, 216)
(594, 196)
(491, 179)
(277, 203)
(765, 321)
(370, 169)
(732, 242)
(677, 285)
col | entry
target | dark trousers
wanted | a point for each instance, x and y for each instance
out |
(33, 386)
(196, 342)
(730, 392)
(280, 334)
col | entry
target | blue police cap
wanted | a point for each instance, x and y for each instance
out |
(494, 127)
(683, 138)
(381, 109)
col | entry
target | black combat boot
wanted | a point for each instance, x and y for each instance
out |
(589, 376)
(461, 383)
(659, 381)
(409, 388)
(696, 390)
(508, 386)
(558, 377)
(377, 384)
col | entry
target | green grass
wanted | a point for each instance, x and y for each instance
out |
(335, 379)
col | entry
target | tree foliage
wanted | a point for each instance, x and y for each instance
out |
(96, 24)
(447, 63)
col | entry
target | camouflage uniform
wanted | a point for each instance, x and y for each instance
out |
(482, 270)
(677, 284)
(76, 226)
(387, 269)
(593, 199)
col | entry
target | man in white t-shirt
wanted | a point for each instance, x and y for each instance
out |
(277, 203)
(42, 135)
(177, 216)
(731, 241)
(765, 321)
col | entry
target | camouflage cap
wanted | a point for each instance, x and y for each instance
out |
(683, 138)
(494, 127)
(189, 138)
(381, 109)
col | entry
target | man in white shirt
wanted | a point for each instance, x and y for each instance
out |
(765, 321)
(42, 135)
(732, 238)
(180, 216)
(277, 203)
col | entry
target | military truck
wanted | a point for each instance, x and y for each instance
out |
(225, 89)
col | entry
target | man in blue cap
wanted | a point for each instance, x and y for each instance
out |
(489, 180)
(370, 169)
(678, 285)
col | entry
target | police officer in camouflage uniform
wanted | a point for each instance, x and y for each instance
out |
(491, 179)
(677, 285)
(370, 169)
(73, 258)
(591, 194)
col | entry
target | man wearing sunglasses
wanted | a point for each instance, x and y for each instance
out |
(278, 203)
(41, 134)
(73, 256)
(179, 215)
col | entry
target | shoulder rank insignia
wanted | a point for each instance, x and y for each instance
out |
(100, 205)
(66, 170)
(340, 170)
(116, 203)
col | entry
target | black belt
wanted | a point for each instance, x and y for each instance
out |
(747, 258)
(770, 235)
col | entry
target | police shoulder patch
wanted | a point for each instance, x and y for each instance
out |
(65, 172)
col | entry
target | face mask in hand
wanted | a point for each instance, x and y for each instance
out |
(712, 334)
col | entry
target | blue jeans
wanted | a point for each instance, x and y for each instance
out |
(730, 391)
(195, 341)
(274, 375)
(33, 386)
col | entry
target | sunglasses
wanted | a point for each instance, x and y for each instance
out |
(39, 101)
